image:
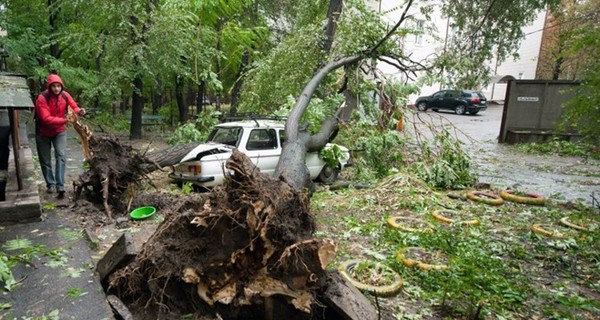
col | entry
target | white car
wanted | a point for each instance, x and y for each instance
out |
(260, 140)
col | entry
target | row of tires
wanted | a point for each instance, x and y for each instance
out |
(408, 224)
(508, 195)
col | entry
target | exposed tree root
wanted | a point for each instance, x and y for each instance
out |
(246, 252)
(112, 168)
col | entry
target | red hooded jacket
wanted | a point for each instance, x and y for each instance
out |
(51, 113)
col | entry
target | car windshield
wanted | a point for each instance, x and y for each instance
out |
(225, 135)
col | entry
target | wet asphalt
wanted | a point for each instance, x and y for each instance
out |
(503, 166)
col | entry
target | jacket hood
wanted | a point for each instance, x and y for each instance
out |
(54, 78)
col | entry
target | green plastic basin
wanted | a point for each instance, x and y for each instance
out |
(142, 212)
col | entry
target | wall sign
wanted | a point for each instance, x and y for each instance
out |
(528, 99)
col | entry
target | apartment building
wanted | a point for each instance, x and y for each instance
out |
(424, 47)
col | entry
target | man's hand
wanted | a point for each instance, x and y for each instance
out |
(81, 111)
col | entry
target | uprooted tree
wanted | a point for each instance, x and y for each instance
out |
(247, 249)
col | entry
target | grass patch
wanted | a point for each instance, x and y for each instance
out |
(498, 269)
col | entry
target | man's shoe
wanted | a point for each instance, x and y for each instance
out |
(51, 189)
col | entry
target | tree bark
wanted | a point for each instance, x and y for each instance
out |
(53, 17)
(137, 108)
(333, 14)
(200, 97)
(237, 87)
(291, 166)
(180, 100)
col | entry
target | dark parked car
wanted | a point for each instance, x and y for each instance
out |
(459, 101)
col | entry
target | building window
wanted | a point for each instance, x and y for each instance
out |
(419, 25)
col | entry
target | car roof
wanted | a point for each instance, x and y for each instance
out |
(253, 124)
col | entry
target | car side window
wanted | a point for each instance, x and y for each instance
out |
(438, 94)
(262, 139)
(448, 94)
(229, 136)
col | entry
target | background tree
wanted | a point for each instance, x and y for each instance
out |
(557, 60)
(583, 111)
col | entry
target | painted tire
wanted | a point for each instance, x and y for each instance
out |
(439, 216)
(411, 263)
(400, 224)
(484, 197)
(345, 270)
(531, 198)
(543, 230)
(565, 221)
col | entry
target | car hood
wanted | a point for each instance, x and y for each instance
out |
(204, 147)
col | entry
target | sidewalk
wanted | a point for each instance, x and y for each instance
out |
(58, 278)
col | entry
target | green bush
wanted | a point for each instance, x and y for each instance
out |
(376, 153)
(445, 165)
(196, 131)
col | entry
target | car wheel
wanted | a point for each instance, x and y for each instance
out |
(328, 175)
(422, 106)
(460, 109)
(473, 112)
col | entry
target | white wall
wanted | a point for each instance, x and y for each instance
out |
(525, 65)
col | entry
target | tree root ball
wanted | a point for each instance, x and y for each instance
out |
(246, 252)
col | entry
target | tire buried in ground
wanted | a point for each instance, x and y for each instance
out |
(528, 198)
(410, 224)
(441, 215)
(411, 262)
(566, 222)
(485, 197)
(546, 231)
(346, 270)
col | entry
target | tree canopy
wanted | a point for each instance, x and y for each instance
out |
(268, 50)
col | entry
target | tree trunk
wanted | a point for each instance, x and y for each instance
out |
(291, 165)
(54, 10)
(157, 97)
(333, 14)
(137, 108)
(237, 87)
(180, 101)
(200, 97)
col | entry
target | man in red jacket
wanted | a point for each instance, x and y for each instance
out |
(51, 108)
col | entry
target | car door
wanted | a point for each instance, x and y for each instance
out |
(263, 149)
(437, 99)
(449, 100)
